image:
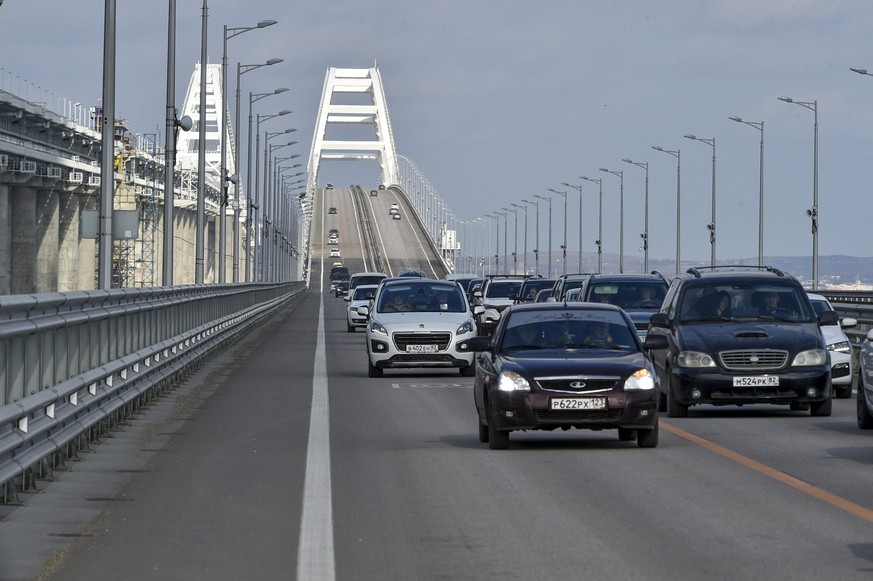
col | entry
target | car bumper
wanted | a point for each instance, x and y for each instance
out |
(841, 368)
(384, 354)
(695, 386)
(530, 411)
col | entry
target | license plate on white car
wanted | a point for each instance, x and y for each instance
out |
(756, 381)
(577, 403)
(421, 348)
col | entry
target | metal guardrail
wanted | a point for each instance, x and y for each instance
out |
(76, 364)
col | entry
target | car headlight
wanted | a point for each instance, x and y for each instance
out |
(695, 359)
(376, 327)
(467, 327)
(512, 381)
(810, 358)
(642, 379)
(842, 347)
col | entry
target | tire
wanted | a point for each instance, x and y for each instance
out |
(865, 418)
(821, 409)
(843, 392)
(627, 434)
(483, 433)
(674, 408)
(497, 440)
(372, 370)
(648, 438)
(468, 370)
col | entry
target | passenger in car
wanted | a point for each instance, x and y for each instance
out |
(722, 307)
(647, 298)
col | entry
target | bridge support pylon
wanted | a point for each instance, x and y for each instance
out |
(374, 111)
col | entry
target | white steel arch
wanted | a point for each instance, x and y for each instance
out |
(375, 113)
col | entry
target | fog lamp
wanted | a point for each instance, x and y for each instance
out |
(695, 394)
(811, 392)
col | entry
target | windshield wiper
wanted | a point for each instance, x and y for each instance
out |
(522, 347)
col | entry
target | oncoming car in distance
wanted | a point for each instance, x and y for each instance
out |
(418, 322)
(566, 365)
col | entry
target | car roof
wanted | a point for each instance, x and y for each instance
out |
(734, 271)
(562, 306)
(369, 274)
(653, 276)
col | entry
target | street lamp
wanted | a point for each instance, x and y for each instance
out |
(711, 225)
(515, 243)
(860, 71)
(677, 154)
(549, 200)
(251, 205)
(564, 245)
(269, 204)
(240, 70)
(496, 217)
(759, 125)
(812, 212)
(645, 234)
(599, 240)
(536, 249)
(222, 243)
(620, 175)
(505, 245)
(259, 201)
(579, 189)
(524, 256)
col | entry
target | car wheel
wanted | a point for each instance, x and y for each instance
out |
(497, 440)
(627, 434)
(674, 408)
(865, 418)
(822, 408)
(843, 392)
(372, 370)
(468, 370)
(483, 433)
(648, 438)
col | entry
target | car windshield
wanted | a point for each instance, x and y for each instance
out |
(502, 289)
(760, 300)
(364, 294)
(422, 297)
(628, 294)
(531, 287)
(571, 329)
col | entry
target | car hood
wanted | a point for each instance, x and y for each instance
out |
(422, 322)
(560, 363)
(715, 337)
(833, 334)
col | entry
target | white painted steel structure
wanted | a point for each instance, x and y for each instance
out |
(368, 81)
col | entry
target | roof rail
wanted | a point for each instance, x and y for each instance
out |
(696, 270)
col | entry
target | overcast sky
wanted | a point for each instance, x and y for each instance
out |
(497, 100)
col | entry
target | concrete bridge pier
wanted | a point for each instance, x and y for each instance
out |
(68, 242)
(23, 240)
(47, 229)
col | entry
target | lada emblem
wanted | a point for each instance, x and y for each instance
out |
(577, 384)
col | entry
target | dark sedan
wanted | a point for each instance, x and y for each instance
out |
(566, 365)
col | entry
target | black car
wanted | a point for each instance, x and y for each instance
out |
(331, 210)
(741, 335)
(531, 287)
(566, 282)
(640, 295)
(565, 365)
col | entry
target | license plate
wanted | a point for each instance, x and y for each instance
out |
(577, 403)
(421, 348)
(756, 381)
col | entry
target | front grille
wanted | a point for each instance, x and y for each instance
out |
(441, 340)
(422, 357)
(570, 416)
(754, 360)
(590, 384)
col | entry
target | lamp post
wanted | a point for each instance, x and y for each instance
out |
(564, 245)
(505, 239)
(677, 154)
(812, 212)
(496, 217)
(620, 175)
(579, 189)
(645, 234)
(599, 240)
(259, 201)
(711, 225)
(536, 249)
(251, 206)
(549, 200)
(515, 242)
(269, 205)
(240, 70)
(222, 243)
(524, 256)
(759, 125)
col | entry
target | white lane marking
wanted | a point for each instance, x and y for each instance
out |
(315, 551)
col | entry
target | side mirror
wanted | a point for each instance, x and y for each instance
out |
(659, 320)
(848, 322)
(478, 310)
(346, 298)
(656, 341)
(829, 318)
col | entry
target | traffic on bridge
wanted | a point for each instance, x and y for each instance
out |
(219, 359)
